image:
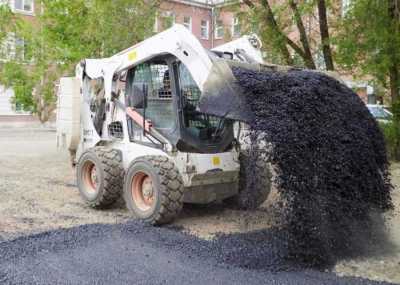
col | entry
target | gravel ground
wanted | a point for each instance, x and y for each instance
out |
(39, 194)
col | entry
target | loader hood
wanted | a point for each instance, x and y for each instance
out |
(222, 96)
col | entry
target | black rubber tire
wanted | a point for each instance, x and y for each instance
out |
(252, 192)
(109, 168)
(167, 186)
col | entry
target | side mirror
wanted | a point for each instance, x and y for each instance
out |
(139, 98)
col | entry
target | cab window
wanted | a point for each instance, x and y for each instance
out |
(156, 77)
(199, 125)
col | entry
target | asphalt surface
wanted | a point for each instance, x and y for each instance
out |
(134, 253)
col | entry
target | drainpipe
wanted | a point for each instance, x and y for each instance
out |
(212, 26)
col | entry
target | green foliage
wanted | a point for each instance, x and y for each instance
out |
(6, 21)
(167, 22)
(8, 24)
(13, 75)
(369, 42)
(77, 29)
(392, 138)
(251, 21)
(391, 131)
(368, 39)
(254, 20)
(68, 31)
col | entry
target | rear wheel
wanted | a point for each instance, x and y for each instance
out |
(254, 181)
(99, 176)
(153, 189)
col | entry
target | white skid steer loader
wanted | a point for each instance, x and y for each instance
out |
(161, 123)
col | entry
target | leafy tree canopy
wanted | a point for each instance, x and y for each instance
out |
(369, 41)
(5, 19)
(68, 31)
(77, 29)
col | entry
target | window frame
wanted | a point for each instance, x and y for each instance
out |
(19, 48)
(13, 48)
(167, 16)
(207, 29)
(23, 11)
(150, 81)
(187, 24)
(235, 23)
(191, 142)
(219, 28)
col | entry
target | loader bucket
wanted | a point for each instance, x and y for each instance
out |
(222, 96)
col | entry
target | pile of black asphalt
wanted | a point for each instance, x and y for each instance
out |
(134, 253)
(329, 160)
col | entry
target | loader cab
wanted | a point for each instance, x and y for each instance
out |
(171, 105)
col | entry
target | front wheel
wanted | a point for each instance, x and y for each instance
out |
(153, 189)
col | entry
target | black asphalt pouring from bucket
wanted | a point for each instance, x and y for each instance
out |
(330, 170)
(329, 159)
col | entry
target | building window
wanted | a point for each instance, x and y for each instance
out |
(235, 27)
(24, 5)
(219, 29)
(19, 48)
(18, 107)
(187, 22)
(12, 47)
(168, 19)
(7, 47)
(204, 28)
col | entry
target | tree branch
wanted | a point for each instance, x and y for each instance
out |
(271, 22)
(308, 59)
(249, 3)
(394, 71)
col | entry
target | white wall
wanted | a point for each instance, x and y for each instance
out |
(6, 107)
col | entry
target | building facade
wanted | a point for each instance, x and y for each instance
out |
(13, 47)
(212, 22)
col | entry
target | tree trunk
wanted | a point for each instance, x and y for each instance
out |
(324, 31)
(394, 81)
(308, 59)
(394, 76)
(271, 22)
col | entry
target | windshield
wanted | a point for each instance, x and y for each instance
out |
(379, 112)
(160, 108)
(200, 125)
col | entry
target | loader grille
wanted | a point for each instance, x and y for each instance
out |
(115, 130)
(161, 82)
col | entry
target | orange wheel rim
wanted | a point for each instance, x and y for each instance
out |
(90, 176)
(142, 191)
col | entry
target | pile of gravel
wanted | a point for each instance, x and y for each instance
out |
(135, 253)
(329, 159)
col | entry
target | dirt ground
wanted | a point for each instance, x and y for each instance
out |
(39, 194)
